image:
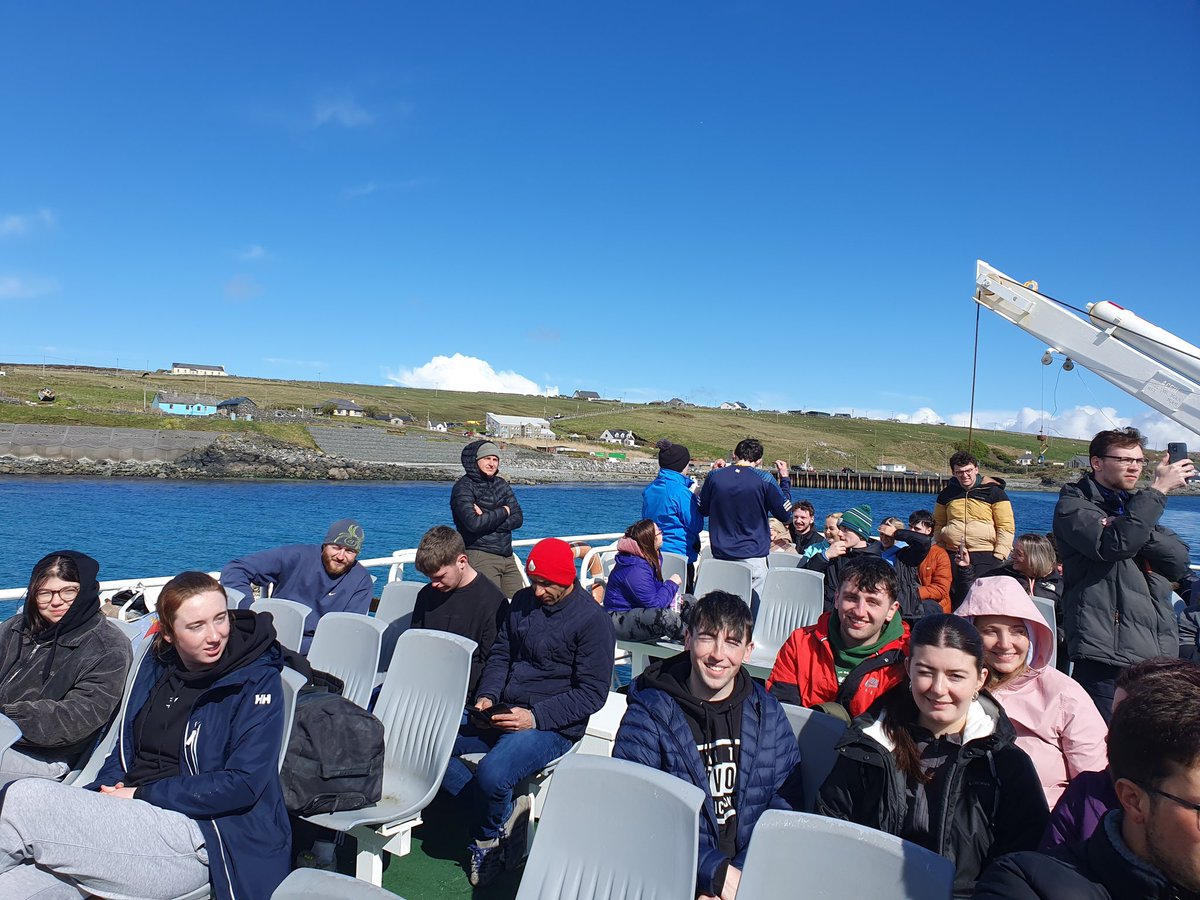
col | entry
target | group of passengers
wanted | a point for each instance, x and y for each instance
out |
(960, 734)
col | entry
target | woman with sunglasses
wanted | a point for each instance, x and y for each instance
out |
(62, 668)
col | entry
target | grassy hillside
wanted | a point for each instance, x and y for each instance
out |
(116, 399)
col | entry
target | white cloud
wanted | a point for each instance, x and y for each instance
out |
(13, 287)
(340, 109)
(253, 252)
(1079, 422)
(467, 373)
(16, 224)
(362, 190)
(242, 287)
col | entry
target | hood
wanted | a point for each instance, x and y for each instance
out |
(671, 676)
(990, 480)
(469, 463)
(1000, 595)
(985, 719)
(81, 612)
(250, 634)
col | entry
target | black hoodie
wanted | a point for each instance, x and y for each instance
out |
(717, 729)
(159, 726)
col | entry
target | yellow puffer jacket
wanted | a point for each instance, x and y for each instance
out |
(980, 516)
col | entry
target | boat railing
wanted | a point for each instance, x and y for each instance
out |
(394, 564)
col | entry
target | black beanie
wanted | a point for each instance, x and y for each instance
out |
(673, 456)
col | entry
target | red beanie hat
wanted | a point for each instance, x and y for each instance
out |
(552, 560)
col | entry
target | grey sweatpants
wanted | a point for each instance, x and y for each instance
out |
(58, 841)
(14, 764)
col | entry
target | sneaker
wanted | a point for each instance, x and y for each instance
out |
(516, 832)
(486, 862)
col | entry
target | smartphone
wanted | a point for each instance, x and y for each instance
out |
(1176, 451)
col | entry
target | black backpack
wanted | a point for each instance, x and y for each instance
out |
(334, 758)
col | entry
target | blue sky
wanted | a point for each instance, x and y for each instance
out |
(780, 203)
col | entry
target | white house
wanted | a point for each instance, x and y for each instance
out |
(518, 427)
(891, 467)
(195, 369)
(1025, 458)
(737, 404)
(339, 407)
(619, 436)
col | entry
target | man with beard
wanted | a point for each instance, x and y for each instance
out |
(325, 577)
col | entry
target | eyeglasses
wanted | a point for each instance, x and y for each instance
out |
(1128, 460)
(1186, 804)
(67, 595)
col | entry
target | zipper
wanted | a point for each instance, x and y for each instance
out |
(20, 670)
(1116, 629)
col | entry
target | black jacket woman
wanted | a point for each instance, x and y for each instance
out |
(62, 668)
(935, 760)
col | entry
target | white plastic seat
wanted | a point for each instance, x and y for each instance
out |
(289, 617)
(791, 599)
(675, 564)
(1046, 608)
(233, 597)
(791, 853)
(818, 734)
(585, 565)
(778, 559)
(395, 612)
(347, 646)
(313, 884)
(578, 854)
(724, 575)
(420, 706)
(10, 733)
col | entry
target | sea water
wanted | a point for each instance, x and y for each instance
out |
(155, 527)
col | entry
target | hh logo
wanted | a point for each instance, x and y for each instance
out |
(262, 699)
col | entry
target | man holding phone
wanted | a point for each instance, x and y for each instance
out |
(1119, 564)
(548, 671)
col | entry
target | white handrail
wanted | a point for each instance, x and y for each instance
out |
(395, 564)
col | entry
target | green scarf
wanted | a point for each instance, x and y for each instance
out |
(846, 658)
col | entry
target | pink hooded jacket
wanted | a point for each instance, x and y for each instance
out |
(1057, 724)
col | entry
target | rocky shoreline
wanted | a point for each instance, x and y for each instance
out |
(260, 457)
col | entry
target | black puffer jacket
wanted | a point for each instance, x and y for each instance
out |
(1100, 868)
(907, 584)
(1117, 574)
(62, 683)
(993, 802)
(492, 531)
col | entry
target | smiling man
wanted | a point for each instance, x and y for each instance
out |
(1118, 562)
(700, 717)
(853, 654)
(326, 577)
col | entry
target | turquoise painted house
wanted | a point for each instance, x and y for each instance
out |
(175, 404)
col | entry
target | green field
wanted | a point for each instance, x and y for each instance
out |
(119, 398)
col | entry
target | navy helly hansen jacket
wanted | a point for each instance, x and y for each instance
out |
(231, 788)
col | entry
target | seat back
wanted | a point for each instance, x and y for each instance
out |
(347, 646)
(1046, 608)
(675, 564)
(420, 706)
(651, 856)
(289, 618)
(781, 560)
(818, 734)
(791, 599)
(791, 845)
(234, 599)
(724, 575)
(292, 682)
(10, 733)
(314, 884)
(395, 612)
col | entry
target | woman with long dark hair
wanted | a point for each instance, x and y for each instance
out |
(62, 668)
(935, 761)
(643, 606)
(190, 795)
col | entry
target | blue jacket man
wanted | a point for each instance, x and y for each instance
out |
(700, 717)
(672, 504)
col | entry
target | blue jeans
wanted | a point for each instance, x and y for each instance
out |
(512, 756)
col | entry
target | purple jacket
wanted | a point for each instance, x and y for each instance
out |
(1079, 810)
(632, 585)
